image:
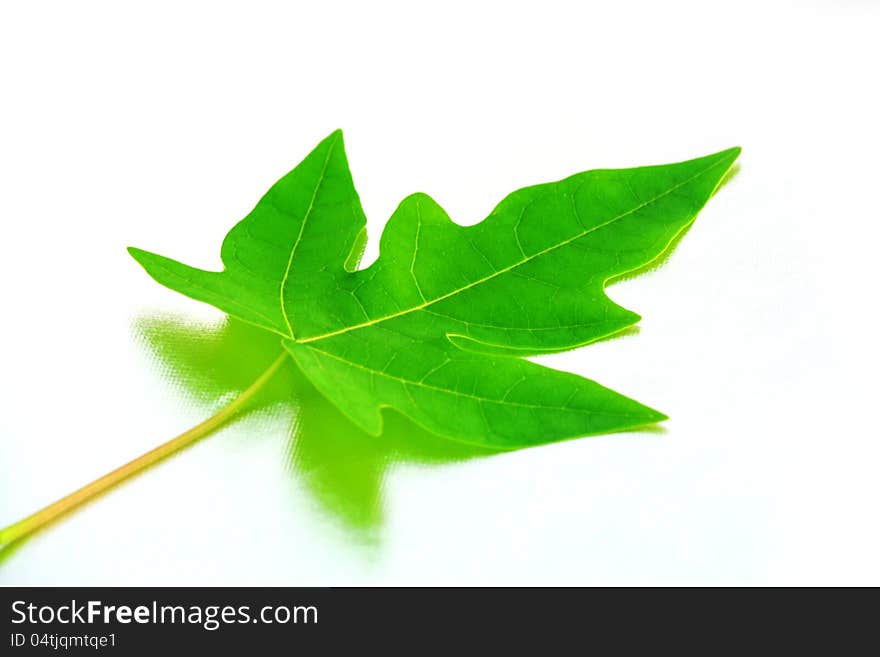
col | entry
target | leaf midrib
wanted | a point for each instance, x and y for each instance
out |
(458, 393)
(299, 236)
(504, 270)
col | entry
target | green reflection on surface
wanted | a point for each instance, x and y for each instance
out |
(342, 466)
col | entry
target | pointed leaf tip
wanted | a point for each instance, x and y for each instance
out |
(140, 256)
(732, 153)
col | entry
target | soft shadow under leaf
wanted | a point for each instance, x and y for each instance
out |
(342, 466)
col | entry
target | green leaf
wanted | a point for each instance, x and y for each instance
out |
(438, 326)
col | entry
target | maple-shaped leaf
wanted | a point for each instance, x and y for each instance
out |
(438, 327)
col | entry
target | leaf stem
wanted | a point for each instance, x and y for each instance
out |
(43, 517)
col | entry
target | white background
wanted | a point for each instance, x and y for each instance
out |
(161, 126)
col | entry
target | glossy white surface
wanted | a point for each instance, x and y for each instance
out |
(162, 128)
